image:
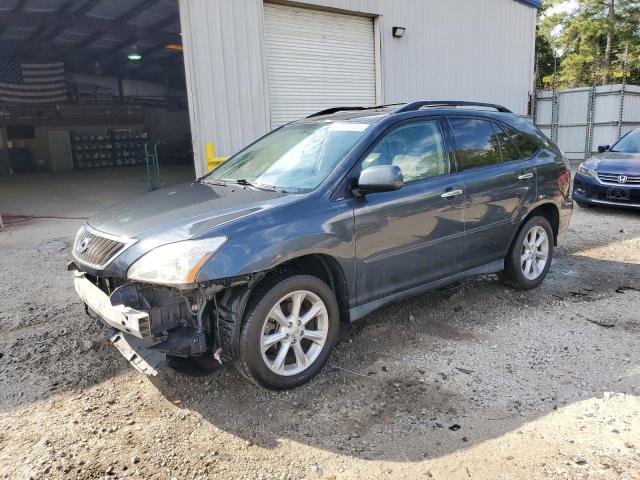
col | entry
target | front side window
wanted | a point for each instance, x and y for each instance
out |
(295, 158)
(630, 143)
(417, 148)
(476, 142)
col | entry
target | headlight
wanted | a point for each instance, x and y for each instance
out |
(175, 263)
(589, 172)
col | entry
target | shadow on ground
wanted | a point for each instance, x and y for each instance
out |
(437, 373)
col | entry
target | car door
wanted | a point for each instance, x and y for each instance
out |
(497, 186)
(411, 236)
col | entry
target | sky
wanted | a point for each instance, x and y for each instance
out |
(566, 6)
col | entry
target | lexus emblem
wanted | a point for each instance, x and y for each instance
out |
(84, 245)
(622, 179)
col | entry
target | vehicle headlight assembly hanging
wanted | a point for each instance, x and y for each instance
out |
(175, 263)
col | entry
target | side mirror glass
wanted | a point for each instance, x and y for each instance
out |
(603, 148)
(380, 178)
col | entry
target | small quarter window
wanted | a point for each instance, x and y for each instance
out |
(526, 146)
(509, 150)
(477, 143)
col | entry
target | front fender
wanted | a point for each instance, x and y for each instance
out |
(262, 243)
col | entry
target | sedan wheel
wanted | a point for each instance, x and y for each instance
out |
(294, 333)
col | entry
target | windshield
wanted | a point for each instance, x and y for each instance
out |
(630, 143)
(295, 158)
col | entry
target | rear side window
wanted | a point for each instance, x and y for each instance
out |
(477, 143)
(526, 146)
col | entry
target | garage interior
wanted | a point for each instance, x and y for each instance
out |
(91, 92)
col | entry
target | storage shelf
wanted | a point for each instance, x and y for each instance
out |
(113, 148)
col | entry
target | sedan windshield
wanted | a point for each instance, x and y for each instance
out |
(630, 143)
(295, 158)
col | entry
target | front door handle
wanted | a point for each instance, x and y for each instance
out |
(451, 193)
(525, 176)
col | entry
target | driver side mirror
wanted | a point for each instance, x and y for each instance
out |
(379, 178)
(603, 148)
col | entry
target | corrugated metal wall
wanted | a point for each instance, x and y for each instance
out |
(226, 76)
(453, 49)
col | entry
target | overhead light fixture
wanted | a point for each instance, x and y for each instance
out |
(398, 32)
(134, 54)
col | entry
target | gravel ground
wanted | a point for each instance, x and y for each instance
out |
(470, 381)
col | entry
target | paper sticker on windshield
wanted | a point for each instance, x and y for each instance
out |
(349, 127)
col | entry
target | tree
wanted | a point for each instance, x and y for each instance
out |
(590, 41)
(610, 27)
(546, 42)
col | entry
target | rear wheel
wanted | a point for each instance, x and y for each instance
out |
(289, 330)
(529, 258)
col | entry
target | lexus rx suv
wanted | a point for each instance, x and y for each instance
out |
(319, 222)
(611, 178)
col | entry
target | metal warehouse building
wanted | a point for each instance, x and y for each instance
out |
(98, 89)
(252, 66)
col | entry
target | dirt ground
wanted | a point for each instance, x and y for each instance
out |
(470, 381)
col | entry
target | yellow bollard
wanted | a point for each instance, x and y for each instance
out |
(212, 160)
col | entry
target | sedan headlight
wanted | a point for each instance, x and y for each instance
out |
(589, 172)
(175, 263)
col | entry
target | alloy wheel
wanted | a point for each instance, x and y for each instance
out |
(535, 252)
(294, 333)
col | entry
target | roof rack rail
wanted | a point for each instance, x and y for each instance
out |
(409, 107)
(331, 110)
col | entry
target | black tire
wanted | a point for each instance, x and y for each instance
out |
(250, 360)
(583, 204)
(513, 274)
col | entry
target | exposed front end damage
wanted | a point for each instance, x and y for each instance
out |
(152, 324)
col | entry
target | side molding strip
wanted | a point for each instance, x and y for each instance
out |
(356, 313)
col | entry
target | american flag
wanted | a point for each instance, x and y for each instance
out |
(32, 83)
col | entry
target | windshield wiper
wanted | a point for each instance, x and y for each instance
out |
(246, 183)
(218, 183)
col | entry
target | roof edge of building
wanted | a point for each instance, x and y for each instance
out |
(531, 3)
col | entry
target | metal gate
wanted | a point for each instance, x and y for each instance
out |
(580, 119)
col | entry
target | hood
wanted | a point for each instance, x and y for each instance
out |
(185, 211)
(616, 162)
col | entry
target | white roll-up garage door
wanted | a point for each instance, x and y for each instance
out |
(316, 60)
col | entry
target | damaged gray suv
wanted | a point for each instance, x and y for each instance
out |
(319, 222)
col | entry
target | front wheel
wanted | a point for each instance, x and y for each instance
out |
(290, 328)
(529, 258)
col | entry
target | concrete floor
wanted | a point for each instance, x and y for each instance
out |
(79, 193)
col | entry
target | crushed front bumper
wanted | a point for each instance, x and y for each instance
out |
(148, 324)
(130, 327)
(133, 349)
(129, 320)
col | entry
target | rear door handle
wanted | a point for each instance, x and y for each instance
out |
(451, 193)
(525, 176)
